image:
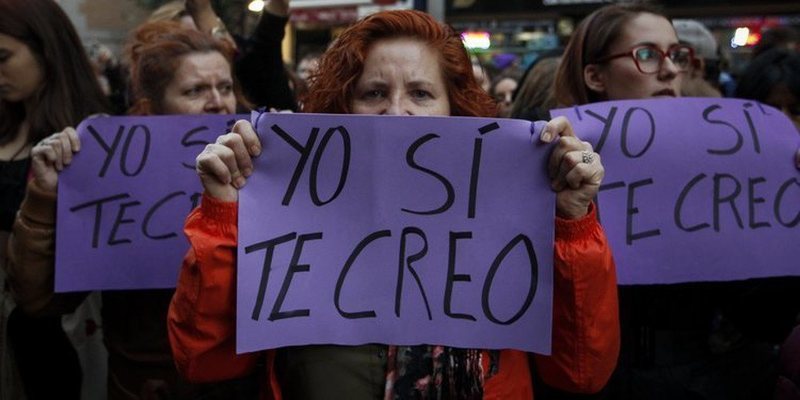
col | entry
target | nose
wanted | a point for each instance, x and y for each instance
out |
(668, 70)
(214, 104)
(396, 106)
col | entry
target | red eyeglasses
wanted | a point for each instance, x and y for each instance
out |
(648, 58)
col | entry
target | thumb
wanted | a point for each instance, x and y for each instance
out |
(797, 159)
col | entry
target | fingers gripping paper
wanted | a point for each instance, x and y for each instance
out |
(365, 229)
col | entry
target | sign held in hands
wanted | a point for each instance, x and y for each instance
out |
(696, 189)
(123, 201)
(402, 230)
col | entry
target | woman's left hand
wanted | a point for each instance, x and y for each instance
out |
(51, 155)
(797, 159)
(574, 168)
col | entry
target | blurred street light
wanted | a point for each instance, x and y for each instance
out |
(256, 6)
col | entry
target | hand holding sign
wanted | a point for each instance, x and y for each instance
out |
(123, 200)
(393, 229)
(574, 168)
(707, 182)
(224, 166)
(797, 159)
(51, 155)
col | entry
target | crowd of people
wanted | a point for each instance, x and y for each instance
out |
(725, 340)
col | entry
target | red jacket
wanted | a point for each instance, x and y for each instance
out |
(585, 312)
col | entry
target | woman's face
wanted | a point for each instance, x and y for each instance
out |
(620, 79)
(203, 84)
(504, 93)
(21, 74)
(401, 77)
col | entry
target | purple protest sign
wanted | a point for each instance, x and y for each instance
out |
(123, 201)
(401, 230)
(695, 189)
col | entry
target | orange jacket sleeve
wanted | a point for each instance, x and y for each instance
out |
(586, 334)
(202, 319)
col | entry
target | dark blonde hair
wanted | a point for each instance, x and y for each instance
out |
(535, 96)
(332, 86)
(592, 40)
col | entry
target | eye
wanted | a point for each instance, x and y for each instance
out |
(421, 94)
(226, 89)
(646, 54)
(193, 91)
(373, 94)
(681, 56)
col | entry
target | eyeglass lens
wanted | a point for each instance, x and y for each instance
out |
(649, 58)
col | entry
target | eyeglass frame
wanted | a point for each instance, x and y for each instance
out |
(664, 55)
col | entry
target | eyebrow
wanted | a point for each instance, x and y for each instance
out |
(421, 82)
(383, 84)
(654, 44)
(375, 81)
(202, 82)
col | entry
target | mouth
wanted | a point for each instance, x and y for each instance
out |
(664, 92)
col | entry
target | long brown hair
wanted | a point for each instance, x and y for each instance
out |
(535, 96)
(592, 40)
(154, 52)
(69, 91)
(331, 88)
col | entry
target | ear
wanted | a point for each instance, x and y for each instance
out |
(698, 68)
(594, 78)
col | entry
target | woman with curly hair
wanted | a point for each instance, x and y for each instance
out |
(396, 63)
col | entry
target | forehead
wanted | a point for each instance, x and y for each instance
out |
(505, 84)
(10, 42)
(203, 65)
(647, 28)
(401, 51)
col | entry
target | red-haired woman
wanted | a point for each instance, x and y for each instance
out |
(397, 63)
(174, 70)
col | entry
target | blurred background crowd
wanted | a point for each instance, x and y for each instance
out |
(506, 38)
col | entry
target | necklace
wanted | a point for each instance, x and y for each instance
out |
(19, 151)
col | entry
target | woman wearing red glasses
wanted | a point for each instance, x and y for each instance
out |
(622, 52)
(684, 341)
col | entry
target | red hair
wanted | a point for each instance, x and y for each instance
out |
(331, 88)
(154, 52)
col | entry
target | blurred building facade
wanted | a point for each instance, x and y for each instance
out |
(526, 28)
(500, 33)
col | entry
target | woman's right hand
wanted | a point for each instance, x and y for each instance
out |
(797, 159)
(223, 166)
(51, 155)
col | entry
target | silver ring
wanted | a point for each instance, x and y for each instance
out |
(587, 157)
